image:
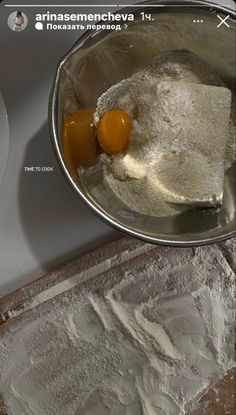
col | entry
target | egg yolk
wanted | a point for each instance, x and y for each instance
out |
(79, 141)
(113, 131)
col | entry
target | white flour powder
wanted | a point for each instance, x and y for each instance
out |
(177, 146)
(144, 340)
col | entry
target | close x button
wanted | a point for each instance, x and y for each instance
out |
(223, 21)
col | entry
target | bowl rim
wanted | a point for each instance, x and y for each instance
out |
(53, 129)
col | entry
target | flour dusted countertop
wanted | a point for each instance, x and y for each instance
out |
(146, 330)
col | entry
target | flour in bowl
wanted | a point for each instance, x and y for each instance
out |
(176, 153)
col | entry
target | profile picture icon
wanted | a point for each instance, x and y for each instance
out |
(17, 21)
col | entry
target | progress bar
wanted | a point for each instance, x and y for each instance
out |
(115, 5)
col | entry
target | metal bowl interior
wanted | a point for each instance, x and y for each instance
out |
(102, 58)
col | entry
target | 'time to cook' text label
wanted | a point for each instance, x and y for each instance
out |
(38, 169)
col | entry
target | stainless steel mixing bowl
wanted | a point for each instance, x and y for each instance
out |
(102, 58)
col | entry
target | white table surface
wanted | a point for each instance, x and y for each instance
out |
(42, 222)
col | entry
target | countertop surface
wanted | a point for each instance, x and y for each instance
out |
(42, 222)
(136, 277)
